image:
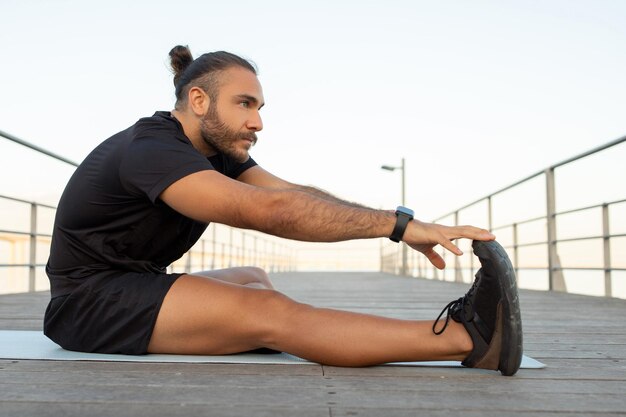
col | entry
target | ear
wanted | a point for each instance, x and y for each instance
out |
(199, 101)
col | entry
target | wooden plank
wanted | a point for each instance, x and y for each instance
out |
(147, 393)
(558, 369)
(443, 412)
(617, 352)
(495, 385)
(478, 400)
(169, 379)
(182, 409)
(68, 367)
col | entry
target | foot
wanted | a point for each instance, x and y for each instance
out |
(490, 313)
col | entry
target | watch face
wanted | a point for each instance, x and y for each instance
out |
(404, 210)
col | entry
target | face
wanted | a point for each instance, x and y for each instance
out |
(231, 123)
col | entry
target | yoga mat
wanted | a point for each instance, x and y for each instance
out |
(22, 344)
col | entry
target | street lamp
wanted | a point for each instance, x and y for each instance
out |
(401, 168)
(403, 269)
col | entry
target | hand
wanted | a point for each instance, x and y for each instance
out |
(425, 236)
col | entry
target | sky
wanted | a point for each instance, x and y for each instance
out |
(475, 95)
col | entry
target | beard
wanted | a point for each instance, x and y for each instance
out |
(223, 139)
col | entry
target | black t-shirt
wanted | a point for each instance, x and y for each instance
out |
(110, 217)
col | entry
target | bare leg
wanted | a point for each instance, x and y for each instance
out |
(206, 316)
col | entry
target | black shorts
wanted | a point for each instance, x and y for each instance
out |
(109, 313)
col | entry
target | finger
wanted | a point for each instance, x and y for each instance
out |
(469, 232)
(451, 247)
(435, 259)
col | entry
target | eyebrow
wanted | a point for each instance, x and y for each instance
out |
(250, 98)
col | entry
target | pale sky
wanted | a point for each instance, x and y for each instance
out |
(474, 94)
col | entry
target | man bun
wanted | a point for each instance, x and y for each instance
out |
(180, 59)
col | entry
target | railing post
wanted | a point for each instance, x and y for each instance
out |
(403, 266)
(515, 251)
(214, 243)
(32, 264)
(606, 233)
(243, 249)
(255, 254)
(489, 214)
(420, 273)
(380, 249)
(405, 248)
(556, 281)
(223, 254)
(458, 275)
(203, 254)
(188, 261)
(230, 247)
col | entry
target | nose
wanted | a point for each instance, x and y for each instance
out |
(255, 123)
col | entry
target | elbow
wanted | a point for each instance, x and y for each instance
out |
(267, 212)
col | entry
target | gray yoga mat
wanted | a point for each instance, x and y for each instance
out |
(21, 344)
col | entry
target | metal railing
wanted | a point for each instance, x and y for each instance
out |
(214, 250)
(34, 239)
(390, 255)
(238, 249)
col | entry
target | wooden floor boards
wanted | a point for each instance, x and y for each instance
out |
(581, 339)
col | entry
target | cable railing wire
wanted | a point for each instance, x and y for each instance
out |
(37, 148)
(390, 259)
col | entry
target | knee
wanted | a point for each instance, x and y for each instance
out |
(258, 275)
(256, 272)
(280, 314)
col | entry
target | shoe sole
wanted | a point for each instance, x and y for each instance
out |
(511, 348)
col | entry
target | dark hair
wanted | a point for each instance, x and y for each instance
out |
(201, 72)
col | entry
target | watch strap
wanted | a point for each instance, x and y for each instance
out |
(402, 221)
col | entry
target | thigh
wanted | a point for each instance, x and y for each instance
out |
(202, 315)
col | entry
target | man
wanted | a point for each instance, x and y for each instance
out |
(143, 197)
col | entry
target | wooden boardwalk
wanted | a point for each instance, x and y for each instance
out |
(581, 339)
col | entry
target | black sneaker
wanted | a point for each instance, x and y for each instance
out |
(490, 312)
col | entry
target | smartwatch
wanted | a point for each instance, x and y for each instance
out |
(403, 217)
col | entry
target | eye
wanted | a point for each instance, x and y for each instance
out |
(244, 103)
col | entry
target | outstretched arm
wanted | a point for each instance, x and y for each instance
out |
(295, 214)
(289, 212)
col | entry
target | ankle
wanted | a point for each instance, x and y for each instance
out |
(462, 339)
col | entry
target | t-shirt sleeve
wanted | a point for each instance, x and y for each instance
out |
(151, 164)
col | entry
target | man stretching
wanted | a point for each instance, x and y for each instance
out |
(143, 197)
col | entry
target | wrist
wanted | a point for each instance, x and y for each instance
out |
(404, 216)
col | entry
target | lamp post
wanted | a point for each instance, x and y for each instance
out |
(403, 270)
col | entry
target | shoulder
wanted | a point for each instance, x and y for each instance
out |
(158, 147)
(159, 132)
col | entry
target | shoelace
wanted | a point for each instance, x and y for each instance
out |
(449, 308)
(461, 303)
